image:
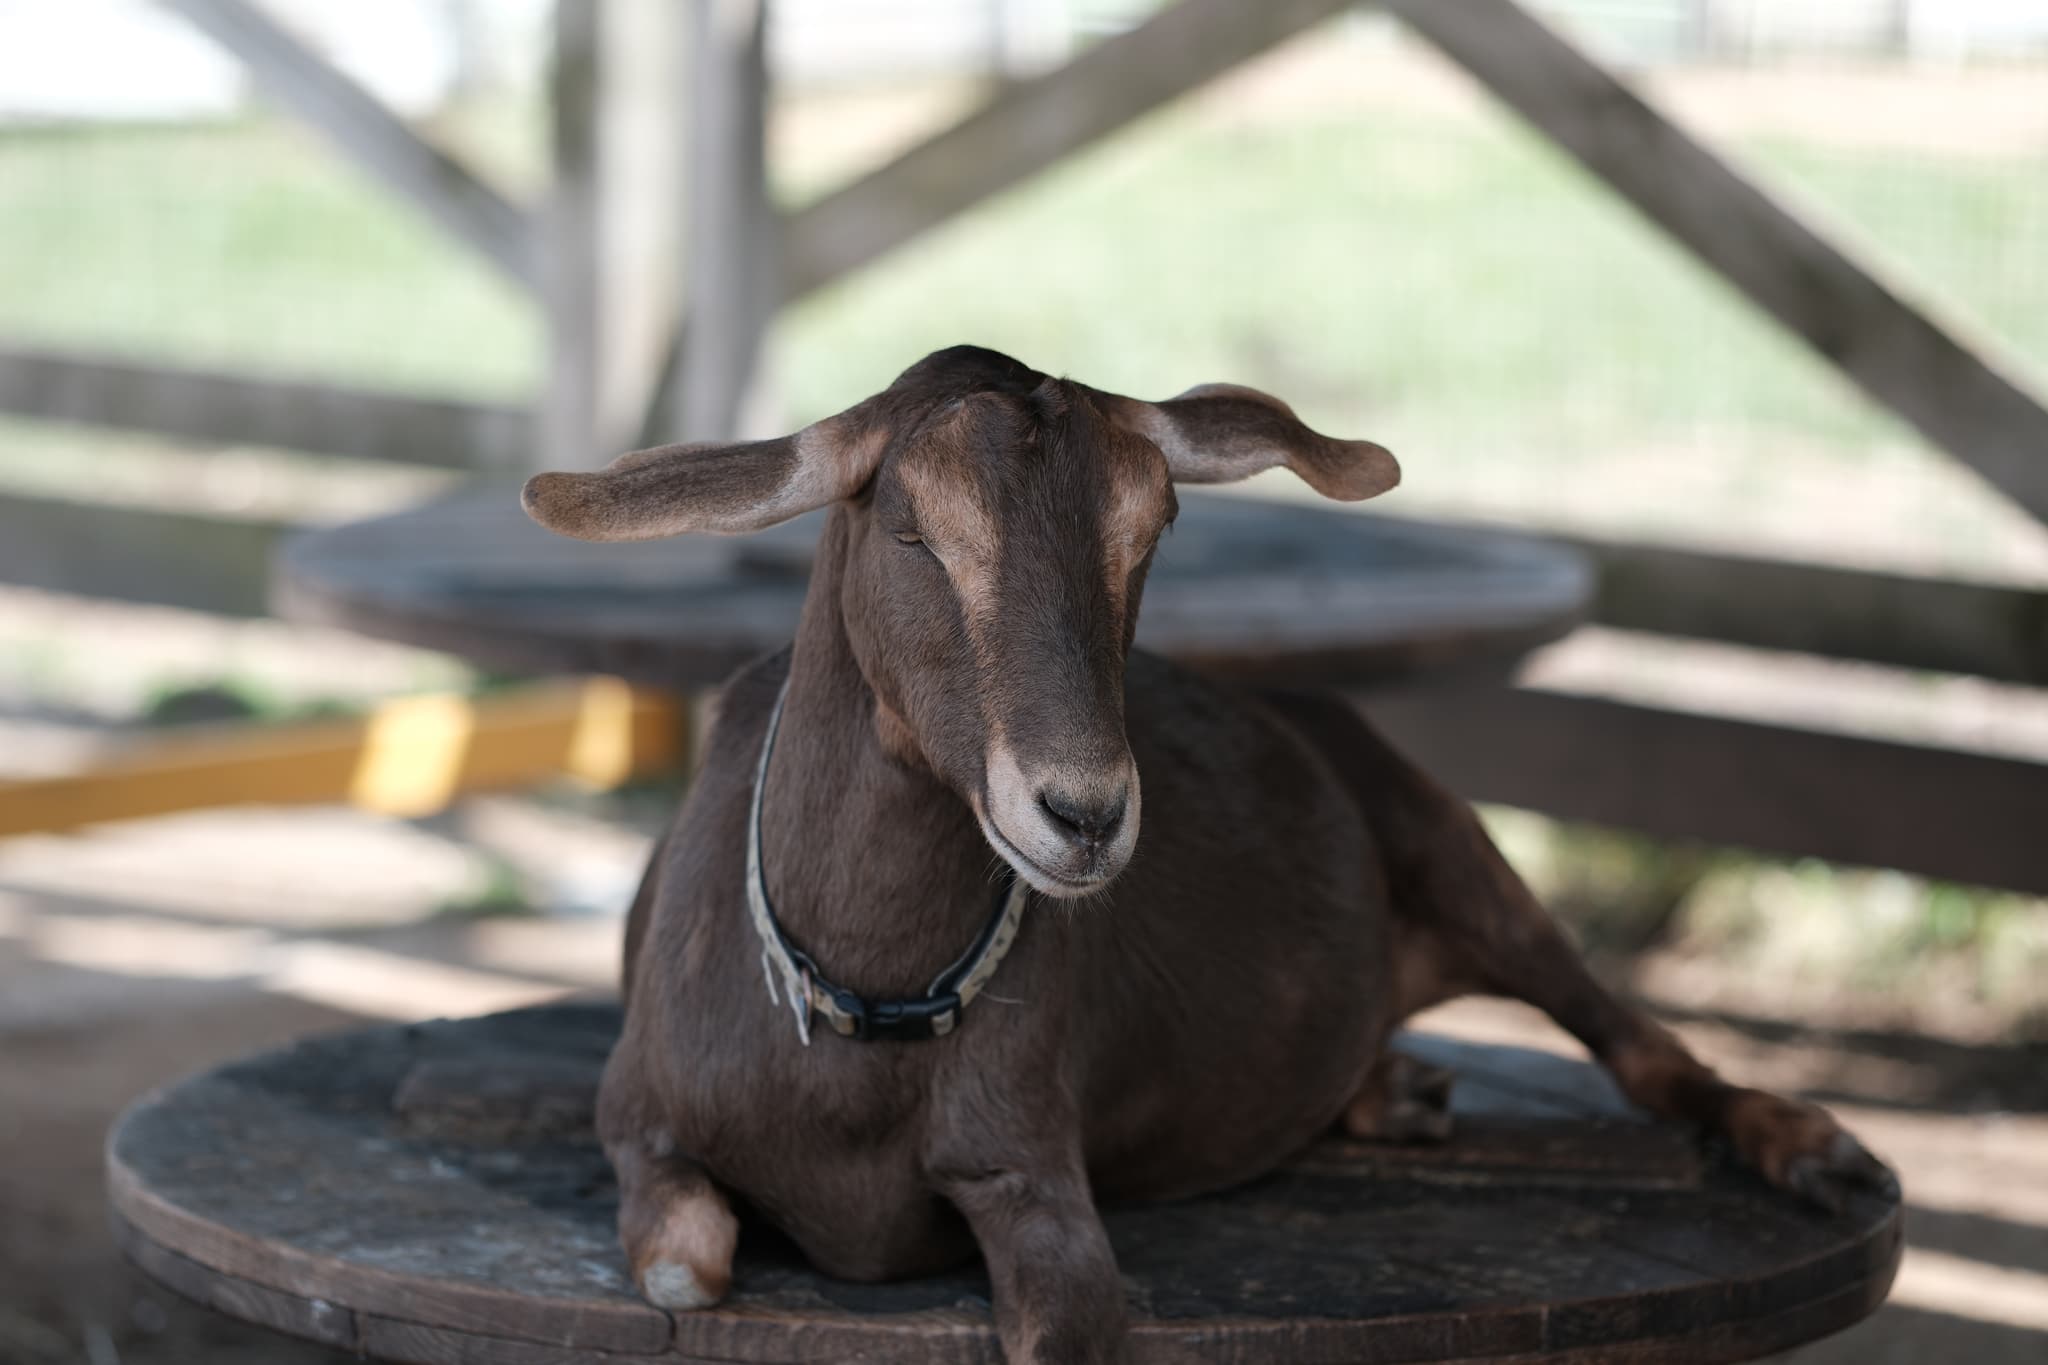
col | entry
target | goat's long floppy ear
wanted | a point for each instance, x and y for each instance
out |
(721, 487)
(1218, 433)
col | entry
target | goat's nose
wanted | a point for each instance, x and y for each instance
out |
(1090, 820)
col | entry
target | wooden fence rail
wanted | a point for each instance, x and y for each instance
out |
(1988, 630)
(133, 554)
(1943, 813)
(235, 409)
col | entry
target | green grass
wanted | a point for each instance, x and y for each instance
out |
(245, 245)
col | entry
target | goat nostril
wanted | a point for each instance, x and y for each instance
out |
(1093, 822)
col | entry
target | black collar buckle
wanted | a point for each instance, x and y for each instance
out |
(895, 1021)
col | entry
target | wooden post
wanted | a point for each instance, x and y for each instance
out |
(731, 277)
(614, 221)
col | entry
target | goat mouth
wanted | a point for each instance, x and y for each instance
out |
(1041, 879)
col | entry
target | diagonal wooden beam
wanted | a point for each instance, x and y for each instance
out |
(370, 134)
(1031, 125)
(1955, 397)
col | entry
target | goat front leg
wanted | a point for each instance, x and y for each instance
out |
(1058, 1297)
(677, 1229)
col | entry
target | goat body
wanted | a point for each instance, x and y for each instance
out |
(1181, 1011)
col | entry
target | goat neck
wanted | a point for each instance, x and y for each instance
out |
(876, 868)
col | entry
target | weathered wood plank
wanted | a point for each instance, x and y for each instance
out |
(1029, 126)
(1938, 812)
(1990, 630)
(395, 1339)
(411, 756)
(1950, 392)
(204, 405)
(166, 559)
(372, 136)
(312, 1319)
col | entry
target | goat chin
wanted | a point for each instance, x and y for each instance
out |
(1041, 880)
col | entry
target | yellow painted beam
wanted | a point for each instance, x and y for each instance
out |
(408, 757)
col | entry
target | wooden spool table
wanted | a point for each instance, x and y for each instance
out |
(434, 1193)
(1273, 593)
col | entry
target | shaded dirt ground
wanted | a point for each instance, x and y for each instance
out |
(135, 955)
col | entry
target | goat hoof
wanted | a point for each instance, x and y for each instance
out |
(682, 1255)
(1799, 1147)
(676, 1287)
(1403, 1100)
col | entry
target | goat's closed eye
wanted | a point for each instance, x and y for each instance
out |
(915, 542)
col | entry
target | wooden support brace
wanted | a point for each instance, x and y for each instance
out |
(1030, 125)
(370, 134)
(409, 757)
(202, 405)
(1950, 625)
(1987, 630)
(1896, 354)
(137, 554)
(1944, 813)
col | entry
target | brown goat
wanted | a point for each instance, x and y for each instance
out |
(1180, 1010)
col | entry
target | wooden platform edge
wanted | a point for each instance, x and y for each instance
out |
(265, 1284)
(1499, 1340)
(629, 1331)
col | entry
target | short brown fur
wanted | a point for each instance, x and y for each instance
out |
(1224, 990)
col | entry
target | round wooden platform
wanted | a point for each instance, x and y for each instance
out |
(1271, 592)
(433, 1193)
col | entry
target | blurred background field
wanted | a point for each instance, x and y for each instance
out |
(1348, 222)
